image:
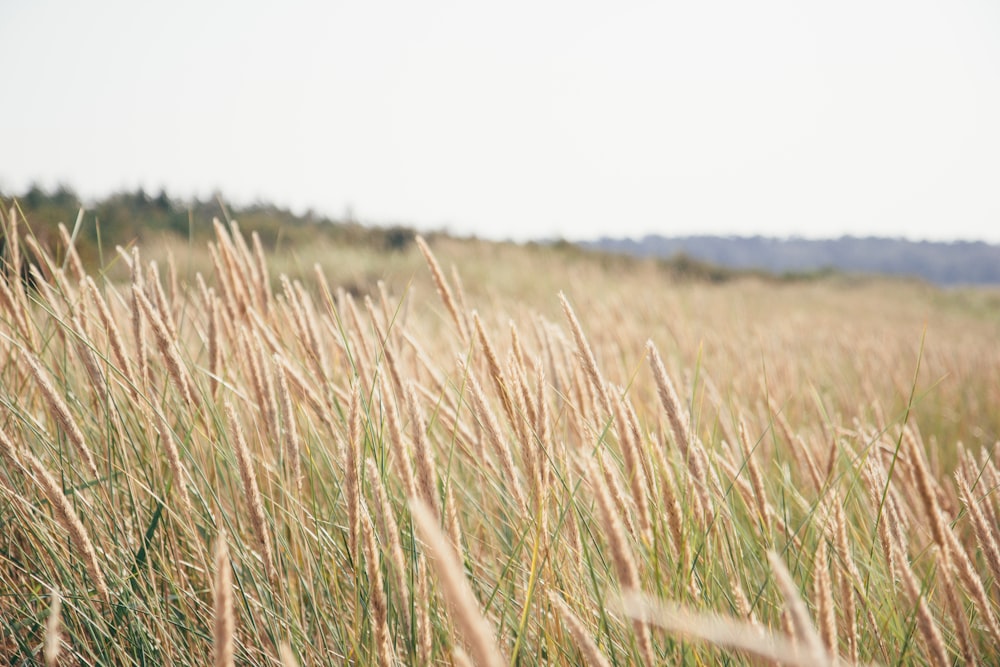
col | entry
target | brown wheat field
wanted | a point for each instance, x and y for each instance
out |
(473, 453)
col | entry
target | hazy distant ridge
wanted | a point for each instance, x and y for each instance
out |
(960, 262)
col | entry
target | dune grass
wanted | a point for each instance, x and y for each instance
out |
(254, 465)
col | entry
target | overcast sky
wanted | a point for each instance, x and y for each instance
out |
(523, 119)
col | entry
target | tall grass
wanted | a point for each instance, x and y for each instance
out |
(244, 467)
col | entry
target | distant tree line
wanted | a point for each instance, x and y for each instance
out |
(128, 216)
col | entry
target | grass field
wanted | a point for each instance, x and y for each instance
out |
(325, 455)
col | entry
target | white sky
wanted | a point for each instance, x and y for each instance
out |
(523, 119)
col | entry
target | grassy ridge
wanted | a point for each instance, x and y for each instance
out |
(284, 469)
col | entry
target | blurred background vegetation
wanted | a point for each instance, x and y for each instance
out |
(124, 218)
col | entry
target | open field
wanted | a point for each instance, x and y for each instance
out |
(541, 457)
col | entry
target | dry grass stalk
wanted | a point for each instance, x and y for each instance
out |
(717, 630)
(384, 344)
(247, 264)
(464, 438)
(592, 655)
(214, 344)
(376, 593)
(251, 363)
(526, 417)
(848, 616)
(252, 491)
(971, 580)
(224, 626)
(422, 605)
(933, 643)
(13, 236)
(517, 347)
(53, 630)
(352, 486)
(543, 432)
(460, 291)
(8, 452)
(465, 610)
(632, 458)
(622, 558)
(802, 624)
(443, 290)
(138, 321)
(175, 463)
(671, 505)
(451, 517)
(677, 416)
(172, 281)
(176, 368)
(267, 334)
(986, 533)
(388, 312)
(269, 406)
(286, 655)
(888, 524)
(265, 296)
(159, 299)
(756, 479)
(91, 365)
(500, 446)
(12, 305)
(575, 544)
(300, 327)
(400, 450)
(426, 475)
(847, 576)
(235, 272)
(460, 658)
(622, 505)
(740, 601)
(494, 370)
(800, 450)
(222, 277)
(46, 273)
(115, 340)
(305, 389)
(926, 488)
(970, 655)
(289, 427)
(363, 364)
(586, 355)
(990, 480)
(67, 517)
(390, 533)
(72, 256)
(426, 364)
(823, 593)
(788, 632)
(61, 412)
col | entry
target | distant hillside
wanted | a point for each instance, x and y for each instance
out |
(962, 262)
(126, 217)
